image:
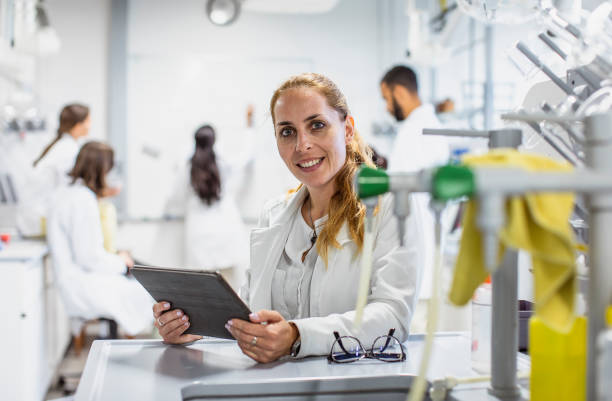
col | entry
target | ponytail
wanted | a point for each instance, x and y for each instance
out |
(70, 116)
(205, 178)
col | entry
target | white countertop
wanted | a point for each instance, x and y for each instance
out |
(151, 370)
(23, 250)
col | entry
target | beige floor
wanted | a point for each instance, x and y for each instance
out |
(67, 377)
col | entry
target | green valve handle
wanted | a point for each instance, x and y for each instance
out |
(453, 181)
(448, 182)
(371, 182)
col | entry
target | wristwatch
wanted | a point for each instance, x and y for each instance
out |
(295, 348)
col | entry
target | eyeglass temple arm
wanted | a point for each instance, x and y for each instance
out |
(338, 339)
(391, 332)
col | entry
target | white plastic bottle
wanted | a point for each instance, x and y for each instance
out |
(482, 306)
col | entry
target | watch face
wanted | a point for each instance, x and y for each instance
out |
(295, 348)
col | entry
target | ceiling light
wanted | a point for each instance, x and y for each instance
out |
(223, 12)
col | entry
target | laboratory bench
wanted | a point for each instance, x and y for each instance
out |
(216, 369)
(35, 330)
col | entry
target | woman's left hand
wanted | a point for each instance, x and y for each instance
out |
(264, 342)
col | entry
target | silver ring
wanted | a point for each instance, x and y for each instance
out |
(160, 322)
(254, 341)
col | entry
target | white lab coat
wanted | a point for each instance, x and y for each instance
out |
(215, 235)
(333, 291)
(413, 151)
(49, 174)
(91, 281)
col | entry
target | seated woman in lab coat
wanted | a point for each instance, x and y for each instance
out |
(51, 168)
(306, 253)
(92, 281)
(215, 236)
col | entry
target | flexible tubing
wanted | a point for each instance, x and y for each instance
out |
(417, 391)
(366, 273)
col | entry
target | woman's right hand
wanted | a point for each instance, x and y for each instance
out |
(172, 324)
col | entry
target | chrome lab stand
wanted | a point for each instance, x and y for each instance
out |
(504, 330)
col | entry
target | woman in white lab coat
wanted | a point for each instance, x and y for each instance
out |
(306, 253)
(215, 236)
(92, 281)
(51, 168)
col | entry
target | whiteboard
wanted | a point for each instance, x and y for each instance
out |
(169, 97)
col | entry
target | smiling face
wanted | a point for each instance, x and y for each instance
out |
(311, 137)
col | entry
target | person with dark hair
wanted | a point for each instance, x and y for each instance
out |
(413, 151)
(204, 172)
(215, 238)
(74, 124)
(50, 169)
(400, 90)
(92, 281)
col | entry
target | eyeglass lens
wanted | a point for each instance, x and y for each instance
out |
(387, 348)
(347, 349)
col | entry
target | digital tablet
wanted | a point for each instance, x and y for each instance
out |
(204, 296)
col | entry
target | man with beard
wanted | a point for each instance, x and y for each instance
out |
(413, 151)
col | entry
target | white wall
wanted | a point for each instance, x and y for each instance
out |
(79, 71)
(183, 71)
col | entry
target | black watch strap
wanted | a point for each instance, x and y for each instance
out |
(295, 348)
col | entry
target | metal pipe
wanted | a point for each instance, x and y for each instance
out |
(456, 132)
(537, 117)
(552, 45)
(589, 76)
(598, 148)
(516, 181)
(544, 68)
(504, 330)
(471, 70)
(118, 96)
(505, 138)
(489, 107)
(433, 79)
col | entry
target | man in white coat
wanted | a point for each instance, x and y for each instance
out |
(413, 151)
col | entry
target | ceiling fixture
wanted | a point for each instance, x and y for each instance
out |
(223, 12)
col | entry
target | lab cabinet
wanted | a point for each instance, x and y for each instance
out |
(36, 330)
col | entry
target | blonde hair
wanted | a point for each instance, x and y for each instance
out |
(344, 204)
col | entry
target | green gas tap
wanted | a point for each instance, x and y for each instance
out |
(443, 183)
